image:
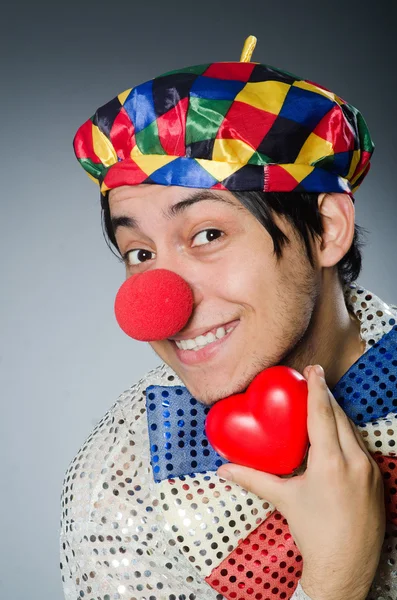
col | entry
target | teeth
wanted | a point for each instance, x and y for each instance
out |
(210, 338)
(202, 340)
(220, 332)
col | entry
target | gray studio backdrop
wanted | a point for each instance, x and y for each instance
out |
(63, 359)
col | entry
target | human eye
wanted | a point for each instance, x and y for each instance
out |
(137, 256)
(206, 236)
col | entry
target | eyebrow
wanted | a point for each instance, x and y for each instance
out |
(174, 210)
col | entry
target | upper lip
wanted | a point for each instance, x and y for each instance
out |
(193, 333)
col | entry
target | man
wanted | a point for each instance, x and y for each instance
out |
(239, 178)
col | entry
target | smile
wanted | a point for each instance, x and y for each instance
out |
(203, 340)
(205, 346)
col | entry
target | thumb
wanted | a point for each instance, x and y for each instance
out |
(265, 485)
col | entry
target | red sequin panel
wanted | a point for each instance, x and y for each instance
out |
(388, 468)
(266, 565)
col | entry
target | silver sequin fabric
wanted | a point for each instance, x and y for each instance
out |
(125, 537)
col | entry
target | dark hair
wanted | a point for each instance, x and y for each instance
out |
(300, 209)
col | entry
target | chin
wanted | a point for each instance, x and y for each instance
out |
(209, 394)
(208, 386)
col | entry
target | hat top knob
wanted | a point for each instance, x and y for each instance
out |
(248, 48)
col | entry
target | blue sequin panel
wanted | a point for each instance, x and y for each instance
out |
(368, 390)
(178, 444)
(176, 420)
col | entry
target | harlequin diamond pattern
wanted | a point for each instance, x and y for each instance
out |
(235, 126)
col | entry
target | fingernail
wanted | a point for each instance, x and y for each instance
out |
(225, 474)
(319, 370)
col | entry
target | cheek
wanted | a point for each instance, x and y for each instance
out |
(160, 348)
(246, 276)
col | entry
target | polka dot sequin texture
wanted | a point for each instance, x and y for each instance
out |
(125, 537)
(368, 390)
(266, 563)
(381, 435)
(178, 443)
(114, 539)
(208, 517)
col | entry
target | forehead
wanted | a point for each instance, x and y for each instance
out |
(162, 197)
(130, 206)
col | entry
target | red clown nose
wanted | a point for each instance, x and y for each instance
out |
(153, 305)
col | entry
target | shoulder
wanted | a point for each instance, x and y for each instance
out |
(132, 401)
(117, 444)
(112, 522)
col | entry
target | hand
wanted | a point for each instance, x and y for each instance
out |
(335, 509)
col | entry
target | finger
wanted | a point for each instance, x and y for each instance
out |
(350, 438)
(359, 437)
(265, 485)
(321, 422)
(361, 441)
(347, 439)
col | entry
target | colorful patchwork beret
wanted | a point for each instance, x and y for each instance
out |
(227, 126)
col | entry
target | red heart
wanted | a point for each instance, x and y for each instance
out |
(265, 427)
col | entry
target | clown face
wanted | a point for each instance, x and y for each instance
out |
(251, 311)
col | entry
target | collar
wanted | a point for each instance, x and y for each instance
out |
(366, 392)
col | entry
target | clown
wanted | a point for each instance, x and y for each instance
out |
(238, 179)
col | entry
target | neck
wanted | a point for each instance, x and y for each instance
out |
(333, 337)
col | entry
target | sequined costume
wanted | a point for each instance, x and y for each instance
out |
(125, 537)
(144, 520)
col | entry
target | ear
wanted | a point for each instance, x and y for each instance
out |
(337, 215)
